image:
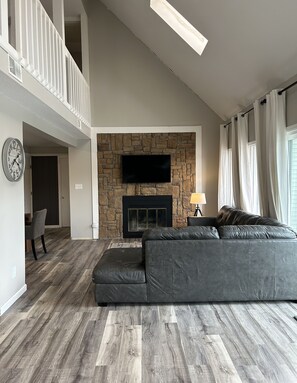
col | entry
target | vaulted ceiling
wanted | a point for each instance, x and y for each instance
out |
(252, 46)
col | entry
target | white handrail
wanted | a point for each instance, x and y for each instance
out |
(42, 52)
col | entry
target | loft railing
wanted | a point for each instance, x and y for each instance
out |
(29, 36)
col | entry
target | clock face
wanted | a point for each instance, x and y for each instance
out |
(13, 159)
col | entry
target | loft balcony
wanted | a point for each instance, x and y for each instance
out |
(33, 43)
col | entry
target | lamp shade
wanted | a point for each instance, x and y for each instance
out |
(198, 198)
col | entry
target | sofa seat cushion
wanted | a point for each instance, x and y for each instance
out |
(255, 232)
(120, 265)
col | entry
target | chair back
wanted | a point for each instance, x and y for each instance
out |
(38, 223)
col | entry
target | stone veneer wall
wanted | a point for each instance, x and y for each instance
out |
(181, 147)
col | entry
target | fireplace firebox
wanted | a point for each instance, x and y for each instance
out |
(145, 212)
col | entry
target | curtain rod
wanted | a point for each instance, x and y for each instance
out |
(263, 102)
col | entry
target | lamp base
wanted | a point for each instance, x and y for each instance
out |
(197, 210)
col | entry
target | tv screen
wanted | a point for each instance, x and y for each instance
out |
(146, 168)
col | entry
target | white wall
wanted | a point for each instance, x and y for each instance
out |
(27, 185)
(131, 87)
(80, 182)
(12, 239)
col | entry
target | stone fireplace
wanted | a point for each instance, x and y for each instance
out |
(180, 146)
(145, 212)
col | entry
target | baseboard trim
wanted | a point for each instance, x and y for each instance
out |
(81, 238)
(13, 299)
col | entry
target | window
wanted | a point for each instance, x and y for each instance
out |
(293, 181)
(180, 25)
(254, 192)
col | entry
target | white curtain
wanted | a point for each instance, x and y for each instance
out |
(225, 175)
(235, 163)
(272, 157)
(240, 163)
(244, 170)
(261, 156)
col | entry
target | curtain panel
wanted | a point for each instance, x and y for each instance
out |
(225, 176)
(235, 163)
(272, 156)
(241, 173)
(244, 170)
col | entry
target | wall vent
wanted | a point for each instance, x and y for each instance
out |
(15, 69)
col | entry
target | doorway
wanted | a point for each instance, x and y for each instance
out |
(45, 187)
(49, 188)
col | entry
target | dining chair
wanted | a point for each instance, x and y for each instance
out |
(36, 229)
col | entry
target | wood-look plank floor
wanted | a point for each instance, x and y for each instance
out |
(56, 332)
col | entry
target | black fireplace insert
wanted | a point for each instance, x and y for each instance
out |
(145, 212)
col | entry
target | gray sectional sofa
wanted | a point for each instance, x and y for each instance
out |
(235, 256)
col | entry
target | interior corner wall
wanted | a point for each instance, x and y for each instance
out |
(12, 237)
(80, 184)
(130, 86)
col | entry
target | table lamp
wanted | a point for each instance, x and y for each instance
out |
(198, 199)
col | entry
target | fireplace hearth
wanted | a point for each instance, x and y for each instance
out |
(145, 212)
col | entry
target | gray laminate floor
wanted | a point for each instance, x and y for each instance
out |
(56, 333)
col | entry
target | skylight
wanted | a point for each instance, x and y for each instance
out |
(179, 24)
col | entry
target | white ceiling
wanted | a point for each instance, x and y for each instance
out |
(252, 46)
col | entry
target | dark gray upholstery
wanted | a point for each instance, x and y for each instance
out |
(187, 271)
(255, 232)
(121, 293)
(202, 221)
(37, 227)
(170, 233)
(120, 266)
(36, 230)
(232, 216)
(235, 256)
(120, 274)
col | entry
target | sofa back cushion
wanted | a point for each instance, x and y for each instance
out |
(233, 216)
(170, 233)
(255, 232)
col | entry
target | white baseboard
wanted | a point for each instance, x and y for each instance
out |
(12, 300)
(81, 238)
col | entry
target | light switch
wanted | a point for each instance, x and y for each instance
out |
(78, 186)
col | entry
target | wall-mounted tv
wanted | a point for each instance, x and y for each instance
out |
(146, 168)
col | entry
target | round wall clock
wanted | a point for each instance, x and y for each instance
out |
(13, 159)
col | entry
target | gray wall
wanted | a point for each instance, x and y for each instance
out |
(131, 87)
(80, 173)
(292, 106)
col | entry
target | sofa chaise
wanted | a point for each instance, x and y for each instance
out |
(235, 256)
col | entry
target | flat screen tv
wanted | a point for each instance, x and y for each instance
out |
(146, 168)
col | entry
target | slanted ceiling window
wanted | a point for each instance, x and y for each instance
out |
(179, 24)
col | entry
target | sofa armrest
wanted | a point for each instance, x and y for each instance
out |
(202, 221)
